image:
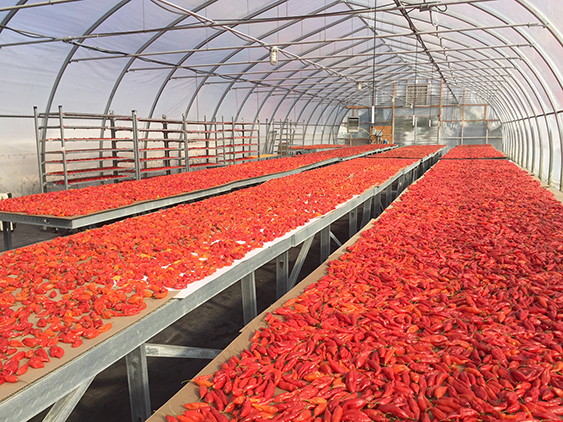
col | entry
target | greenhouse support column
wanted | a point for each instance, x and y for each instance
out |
(550, 168)
(527, 130)
(540, 148)
(519, 143)
(512, 141)
(560, 132)
(558, 116)
(524, 136)
(516, 143)
(533, 158)
(506, 140)
(524, 139)
(138, 380)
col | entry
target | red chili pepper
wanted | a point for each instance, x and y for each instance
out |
(56, 352)
(11, 378)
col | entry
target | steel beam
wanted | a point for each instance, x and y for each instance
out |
(303, 252)
(185, 352)
(333, 237)
(62, 409)
(138, 380)
(7, 235)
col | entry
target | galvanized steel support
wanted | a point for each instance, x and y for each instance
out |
(184, 352)
(138, 380)
(249, 307)
(325, 243)
(305, 247)
(62, 409)
(282, 274)
(353, 222)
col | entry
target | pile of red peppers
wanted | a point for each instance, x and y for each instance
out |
(412, 151)
(473, 152)
(93, 199)
(449, 309)
(62, 292)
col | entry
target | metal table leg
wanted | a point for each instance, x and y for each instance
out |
(138, 380)
(62, 409)
(333, 237)
(388, 195)
(352, 222)
(299, 262)
(282, 271)
(366, 212)
(249, 307)
(325, 244)
(7, 236)
(376, 207)
(185, 352)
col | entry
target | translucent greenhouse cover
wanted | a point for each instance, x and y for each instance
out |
(212, 60)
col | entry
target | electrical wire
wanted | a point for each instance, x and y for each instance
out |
(28, 34)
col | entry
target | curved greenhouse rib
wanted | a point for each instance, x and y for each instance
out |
(74, 49)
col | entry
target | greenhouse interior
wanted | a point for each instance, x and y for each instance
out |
(243, 211)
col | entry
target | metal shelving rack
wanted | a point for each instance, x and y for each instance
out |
(206, 144)
(242, 142)
(71, 153)
(108, 148)
(162, 147)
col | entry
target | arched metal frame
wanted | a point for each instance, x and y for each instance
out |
(524, 100)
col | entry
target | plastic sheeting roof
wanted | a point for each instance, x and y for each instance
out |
(212, 58)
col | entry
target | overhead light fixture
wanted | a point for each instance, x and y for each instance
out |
(274, 55)
(359, 86)
(426, 7)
